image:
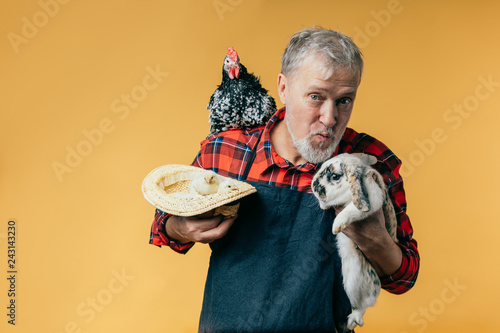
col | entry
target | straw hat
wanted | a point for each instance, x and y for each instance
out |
(167, 188)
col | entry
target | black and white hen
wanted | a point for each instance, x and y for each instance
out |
(239, 101)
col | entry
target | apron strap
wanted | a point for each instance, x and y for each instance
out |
(250, 160)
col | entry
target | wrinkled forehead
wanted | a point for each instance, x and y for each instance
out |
(328, 67)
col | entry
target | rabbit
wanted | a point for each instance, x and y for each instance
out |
(348, 180)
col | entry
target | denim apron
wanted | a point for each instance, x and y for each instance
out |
(277, 269)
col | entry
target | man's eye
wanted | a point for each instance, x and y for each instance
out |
(315, 97)
(344, 101)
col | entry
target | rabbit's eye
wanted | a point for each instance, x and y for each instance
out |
(335, 176)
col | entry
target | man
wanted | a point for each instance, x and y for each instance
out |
(275, 266)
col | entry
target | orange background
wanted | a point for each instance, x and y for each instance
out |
(84, 262)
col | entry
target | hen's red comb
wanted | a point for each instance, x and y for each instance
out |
(232, 54)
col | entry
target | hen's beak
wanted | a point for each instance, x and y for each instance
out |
(234, 71)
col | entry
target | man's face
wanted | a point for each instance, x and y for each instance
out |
(317, 109)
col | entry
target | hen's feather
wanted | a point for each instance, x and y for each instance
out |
(239, 103)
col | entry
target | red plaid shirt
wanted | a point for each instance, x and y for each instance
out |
(227, 154)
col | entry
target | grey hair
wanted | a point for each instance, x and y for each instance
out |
(336, 49)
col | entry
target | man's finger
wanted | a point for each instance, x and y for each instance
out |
(217, 232)
(201, 225)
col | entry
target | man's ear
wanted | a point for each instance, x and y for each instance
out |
(282, 85)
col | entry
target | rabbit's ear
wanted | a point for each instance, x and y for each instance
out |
(377, 178)
(365, 158)
(359, 195)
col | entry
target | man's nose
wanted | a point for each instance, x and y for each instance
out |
(328, 114)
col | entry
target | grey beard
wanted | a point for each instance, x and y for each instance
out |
(310, 153)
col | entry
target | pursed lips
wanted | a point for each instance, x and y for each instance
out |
(323, 136)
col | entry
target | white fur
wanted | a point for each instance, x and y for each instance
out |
(351, 213)
(348, 181)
